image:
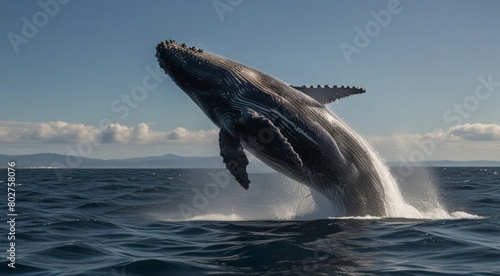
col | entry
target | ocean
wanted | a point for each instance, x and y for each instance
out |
(202, 222)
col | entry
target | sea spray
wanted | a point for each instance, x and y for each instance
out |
(395, 203)
(424, 204)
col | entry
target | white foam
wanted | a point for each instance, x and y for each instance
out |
(217, 217)
(360, 217)
(425, 206)
(438, 215)
(464, 215)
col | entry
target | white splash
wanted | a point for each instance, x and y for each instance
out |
(217, 217)
(424, 206)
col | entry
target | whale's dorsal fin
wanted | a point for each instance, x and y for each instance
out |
(327, 94)
(235, 159)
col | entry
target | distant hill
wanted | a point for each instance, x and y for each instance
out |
(62, 161)
(451, 163)
(51, 160)
(45, 160)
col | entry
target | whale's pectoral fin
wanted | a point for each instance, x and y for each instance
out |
(264, 136)
(327, 94)
(234, 157)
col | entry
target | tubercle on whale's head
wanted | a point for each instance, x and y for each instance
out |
(169, 54)
(202, 76)
(198, 73)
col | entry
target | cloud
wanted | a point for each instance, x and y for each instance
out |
(49, 132)
(63, 132)
(476, 132)
(466, 132)
(462, 142)
(116, 133)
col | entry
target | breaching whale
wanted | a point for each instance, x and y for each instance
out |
(287, 127)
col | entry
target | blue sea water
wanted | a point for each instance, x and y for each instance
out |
(199, 222)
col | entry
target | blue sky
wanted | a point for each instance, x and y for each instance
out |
(61, 80)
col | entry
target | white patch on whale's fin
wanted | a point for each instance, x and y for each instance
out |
(327, 94)
(264, 136)
(235, 159)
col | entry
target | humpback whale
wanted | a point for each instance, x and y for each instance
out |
(287, 127)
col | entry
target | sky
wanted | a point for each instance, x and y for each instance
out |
(70, 69)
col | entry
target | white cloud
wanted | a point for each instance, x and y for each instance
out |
(462, 142)
(49, 132)
(476, 132)
(116, 133)
(466, 132)
(63, 132)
